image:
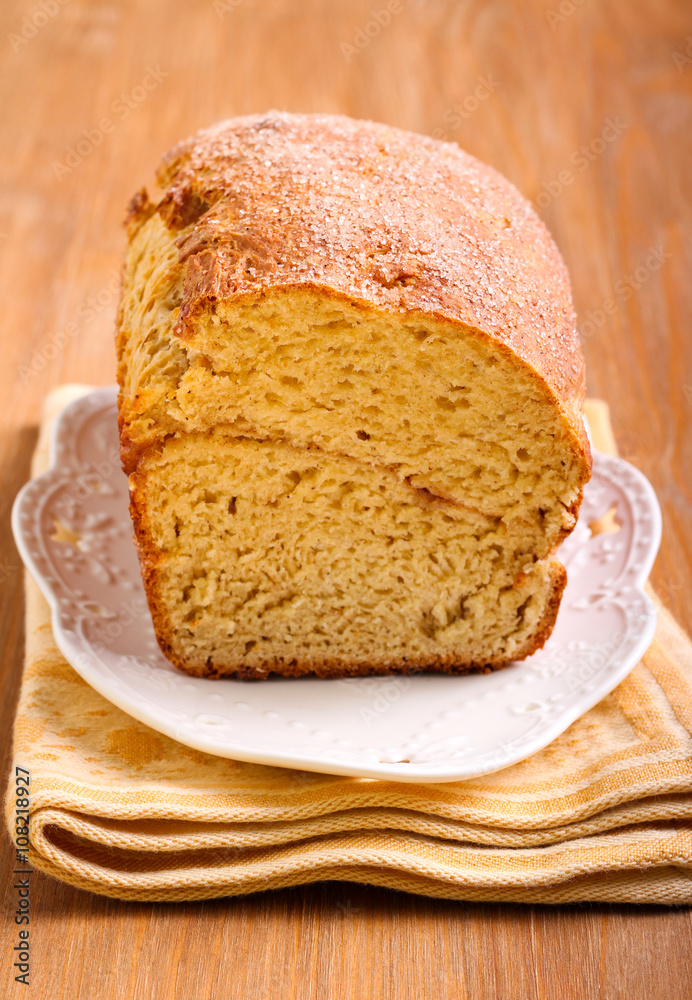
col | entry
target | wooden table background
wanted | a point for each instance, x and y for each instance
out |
(586, 105)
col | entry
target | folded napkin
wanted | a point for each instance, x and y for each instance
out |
(603, 813)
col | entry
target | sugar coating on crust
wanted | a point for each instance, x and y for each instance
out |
(397, 219)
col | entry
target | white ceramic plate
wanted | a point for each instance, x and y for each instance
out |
(74, 534)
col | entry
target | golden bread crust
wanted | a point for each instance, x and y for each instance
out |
(388, 218)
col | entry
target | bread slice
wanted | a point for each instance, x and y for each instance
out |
(351, 404)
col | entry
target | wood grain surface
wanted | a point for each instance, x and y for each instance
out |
(587, 106)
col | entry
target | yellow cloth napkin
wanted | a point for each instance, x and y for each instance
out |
(603, 813)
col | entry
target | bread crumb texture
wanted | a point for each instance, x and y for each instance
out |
(350, 404)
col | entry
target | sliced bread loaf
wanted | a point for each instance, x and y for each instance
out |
(351, 404)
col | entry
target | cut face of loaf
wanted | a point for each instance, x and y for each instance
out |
(326, 483)
(271, 557)
(345, 491)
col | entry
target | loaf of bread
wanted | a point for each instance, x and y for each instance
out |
(350, 404)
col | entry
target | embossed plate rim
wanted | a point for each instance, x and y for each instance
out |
(453, 761)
